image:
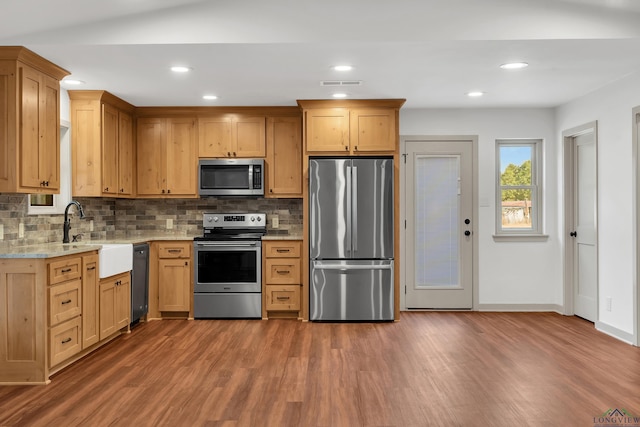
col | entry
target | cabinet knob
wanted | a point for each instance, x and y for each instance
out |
(106, 189)
(163, 191)
(122, 190)
(346, 148)
(168, 191)
(234, 154)
(228, 153)
(356, 147)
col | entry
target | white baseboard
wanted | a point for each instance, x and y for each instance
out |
(521, 307)
(614, 332)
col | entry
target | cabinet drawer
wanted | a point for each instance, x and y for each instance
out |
(66, 269)
(65, 301)
(174, 250)
(282, 271)
(282, 249)
(64, 341)
(283, 297)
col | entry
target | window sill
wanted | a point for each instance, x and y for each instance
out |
(520, 237)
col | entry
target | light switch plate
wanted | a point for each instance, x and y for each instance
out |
(21, 230)
(169, 224)
(91, 225)
(275, 221)
(1, 232)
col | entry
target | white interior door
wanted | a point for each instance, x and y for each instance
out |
(440, 224)
(583, 234)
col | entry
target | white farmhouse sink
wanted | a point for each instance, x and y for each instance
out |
(115, 259)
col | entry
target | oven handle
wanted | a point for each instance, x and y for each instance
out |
(227, 244)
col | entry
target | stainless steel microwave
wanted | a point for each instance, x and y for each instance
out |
(231, 177)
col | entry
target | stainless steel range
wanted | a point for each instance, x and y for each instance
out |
(228, 267)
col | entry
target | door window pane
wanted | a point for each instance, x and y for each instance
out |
(437, 221)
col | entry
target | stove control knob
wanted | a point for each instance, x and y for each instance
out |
(209, 219)
(259, 219)
(253, 218)
(215, 219)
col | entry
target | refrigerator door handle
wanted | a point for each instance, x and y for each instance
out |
(354, 202)
(342, 267)
(349, 215)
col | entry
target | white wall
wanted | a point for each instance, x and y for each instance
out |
(611, 106)
(65, 105)
(509, 272)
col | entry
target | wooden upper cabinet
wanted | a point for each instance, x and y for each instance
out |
(327, 129)
(102, 144)
(284, 157)
(29, 122)
(351, 127)
(167, 159)
(373, 129)
(231, 135)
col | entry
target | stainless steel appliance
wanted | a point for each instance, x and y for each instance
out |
(140, 282)
(228, 267)
(351, 239)
(231, 177)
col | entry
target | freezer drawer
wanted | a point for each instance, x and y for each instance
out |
(351, 290)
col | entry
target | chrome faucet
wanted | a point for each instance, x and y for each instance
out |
(67, 223)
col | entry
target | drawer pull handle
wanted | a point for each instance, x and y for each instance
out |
(283, 271)
(282, 298)
(283, 251)
(66, 302)
(174, 251)
(91, 268)
(64, 341)
(66, 270)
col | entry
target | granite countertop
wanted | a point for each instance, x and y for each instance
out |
(52, 250)
(281, 237)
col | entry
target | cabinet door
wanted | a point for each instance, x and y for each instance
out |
(284, 157)
(215, 136)
(109, 150)
(30, 129)
(249, 136)
(174, 278)
(90, 301)
(125, 154)
(151, 155)
(373, 129)
(50, 134)
(327, 129)
(107, 308)
(123, 301)
(181, 158)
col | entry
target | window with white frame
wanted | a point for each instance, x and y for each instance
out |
(519, 187)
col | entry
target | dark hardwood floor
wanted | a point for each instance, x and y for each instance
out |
(429, 369)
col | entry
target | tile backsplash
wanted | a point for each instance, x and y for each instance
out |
(114, 218)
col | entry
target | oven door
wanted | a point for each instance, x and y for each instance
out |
(228, 267)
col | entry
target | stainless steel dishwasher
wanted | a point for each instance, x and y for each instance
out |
(140, 282)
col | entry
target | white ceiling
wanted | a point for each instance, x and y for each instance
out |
(259, 52)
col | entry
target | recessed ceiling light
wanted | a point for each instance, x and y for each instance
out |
(180, 69)
(209, 97)
(514, 65)
(72, 82)
(475, 94)
(343, 67)
(339, 95)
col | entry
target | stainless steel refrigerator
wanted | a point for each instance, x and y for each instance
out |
(351, 239)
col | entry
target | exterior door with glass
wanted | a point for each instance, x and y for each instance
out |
(440, 223)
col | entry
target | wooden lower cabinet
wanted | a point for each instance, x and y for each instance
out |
(115, 304)
(65, 340)
(281, 279)
(90, 301)
(170, 279)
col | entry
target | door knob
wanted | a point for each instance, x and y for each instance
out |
(467, 233)
(573, 234)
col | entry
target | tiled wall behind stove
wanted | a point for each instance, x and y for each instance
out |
(119, 217)
(151, 215)
(48, 228)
